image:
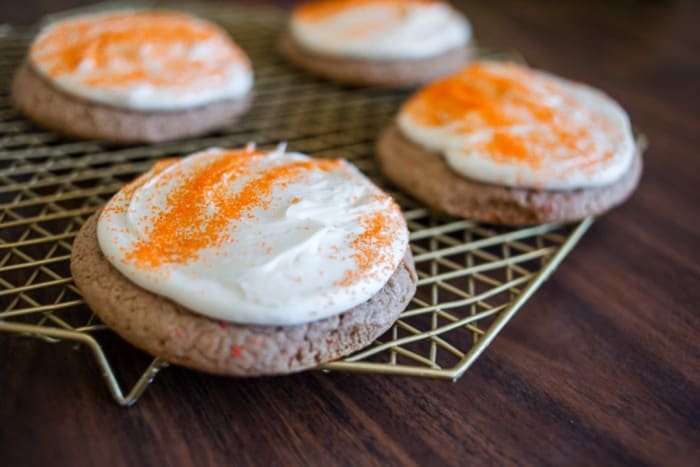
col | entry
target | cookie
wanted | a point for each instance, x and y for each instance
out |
(247, 262)
(501, 143)
(396, 44)
(124, 77)
(170, 331)
(426, 176)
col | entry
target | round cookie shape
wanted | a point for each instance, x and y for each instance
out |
(386, 43)
(133, 77)
(499, 142)
(286, 238)
(172, 332)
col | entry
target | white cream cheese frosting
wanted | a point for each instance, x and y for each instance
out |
(379, 29)
(255, 237)
(142, 60)
(506, 124)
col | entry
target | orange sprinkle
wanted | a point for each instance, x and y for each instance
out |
(199, 209)
(236, 351)
(491, 98)
(507, 143)
(371, 245)
(135, 41)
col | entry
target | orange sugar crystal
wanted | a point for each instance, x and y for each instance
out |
(370, 247)
(185, 226)
(135, 40)
(480, 98)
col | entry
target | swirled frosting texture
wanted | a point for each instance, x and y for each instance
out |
(142, 60)
(379, 29)
(255, 237)
(506, 124)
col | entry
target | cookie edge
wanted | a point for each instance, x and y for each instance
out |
(50, 108)
(399, 74)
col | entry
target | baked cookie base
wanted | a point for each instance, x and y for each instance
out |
(427, 177)
(173, 333)
(74, 117)
(382, 73)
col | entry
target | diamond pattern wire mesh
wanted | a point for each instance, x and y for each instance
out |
(473, 277)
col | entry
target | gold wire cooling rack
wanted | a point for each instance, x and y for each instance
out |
(472, 277)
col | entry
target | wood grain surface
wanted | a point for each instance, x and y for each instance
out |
(601, 367)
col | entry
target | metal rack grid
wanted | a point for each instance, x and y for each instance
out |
(472, 277)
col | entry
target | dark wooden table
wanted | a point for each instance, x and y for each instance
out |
(601, 367)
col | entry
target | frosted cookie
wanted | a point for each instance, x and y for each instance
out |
(133, 76)
(247, 262)
(392, 43)
(502, 143)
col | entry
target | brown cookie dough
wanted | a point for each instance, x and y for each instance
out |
(384, 73)
(170, 331)
(426, 176)
(74, 117)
